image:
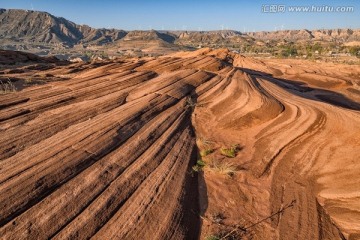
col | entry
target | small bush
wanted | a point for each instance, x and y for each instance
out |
(7, 87)
(204, 153)
(198, 167)
(200, 163)
(355, 51)
(230, 152)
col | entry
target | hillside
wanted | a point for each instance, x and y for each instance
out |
(330, 35)
(16, 57)
(212, 38)
(19, 29)
(41, 27)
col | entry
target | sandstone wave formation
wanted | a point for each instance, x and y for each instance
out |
(107, 151)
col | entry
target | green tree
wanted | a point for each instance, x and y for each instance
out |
(355, 51)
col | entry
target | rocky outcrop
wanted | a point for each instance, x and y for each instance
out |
(108, 151)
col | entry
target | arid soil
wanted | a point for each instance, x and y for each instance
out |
(134, 149)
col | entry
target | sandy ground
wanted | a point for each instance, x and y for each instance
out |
(109, 151)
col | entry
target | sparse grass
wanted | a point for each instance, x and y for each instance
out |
(198, 167)
(33, 81)
(222, 167)
(28, 80)
(205, 152)
(212, 163)
(7, 87)
(217, 217)
(204, 143)
(190, 103)
(232, 235)
(212, 237)
(226, 235)
(230, 152)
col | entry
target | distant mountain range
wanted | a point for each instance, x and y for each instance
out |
(34, 27)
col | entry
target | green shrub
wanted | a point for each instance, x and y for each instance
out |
(204, 153)
(198, 167)
(230, 152)
(355, 51)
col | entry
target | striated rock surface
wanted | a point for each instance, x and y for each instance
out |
(108, 153)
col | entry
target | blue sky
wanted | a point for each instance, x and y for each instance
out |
(193, 14)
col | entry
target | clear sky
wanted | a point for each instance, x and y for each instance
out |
(195, 14)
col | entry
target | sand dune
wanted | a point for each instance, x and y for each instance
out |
(109, 152)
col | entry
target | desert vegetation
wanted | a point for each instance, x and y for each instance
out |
(7, 87)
